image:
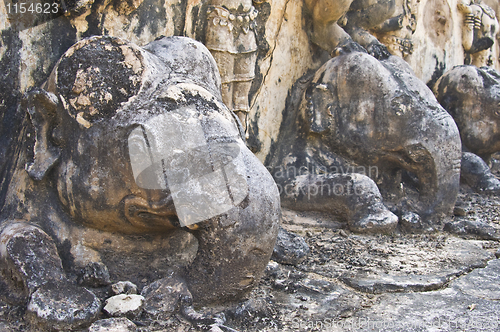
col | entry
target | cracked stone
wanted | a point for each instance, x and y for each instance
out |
(467, 227)
(467, 256)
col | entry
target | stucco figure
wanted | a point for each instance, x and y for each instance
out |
(368, 136)
(479, 31)
(122, 153)
(342, 26)
(230, 36)
(472, 96)
(396, 32)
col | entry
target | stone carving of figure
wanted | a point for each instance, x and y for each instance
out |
(472, 95)
(396, 32)
(342, 26)
(479, 31)
(230, 37)
(362, 126)
(125, 145)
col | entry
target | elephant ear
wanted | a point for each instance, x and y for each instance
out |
(41, 107)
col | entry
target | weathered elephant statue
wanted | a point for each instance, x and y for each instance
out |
(122, 153)
(342, 26)
(472, 96)
(364, 125)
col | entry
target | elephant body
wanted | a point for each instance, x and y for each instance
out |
(472, 96)
(128, 165)
(377, 119)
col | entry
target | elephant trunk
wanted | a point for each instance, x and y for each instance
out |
(435, 161)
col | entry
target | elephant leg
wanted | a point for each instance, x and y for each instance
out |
(32, 267)
(233, 251)
(354, 197)
(476, 173)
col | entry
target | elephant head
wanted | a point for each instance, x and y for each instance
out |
(123, 149)
(472, 96)
(377, 113)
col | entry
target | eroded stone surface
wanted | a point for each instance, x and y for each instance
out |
(284, 55)
(470, 303)
(290, 248)
(94, 275)
(112, 174)
(470, 95)
(113, 325)
(62, 307)
(342, 149)
(482, 283)
(292, 298)
(162, 298)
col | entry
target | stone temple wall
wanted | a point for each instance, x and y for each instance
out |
(284, 54)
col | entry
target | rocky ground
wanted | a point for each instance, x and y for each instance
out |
(349, 282)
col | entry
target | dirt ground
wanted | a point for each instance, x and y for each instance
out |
(343, 275)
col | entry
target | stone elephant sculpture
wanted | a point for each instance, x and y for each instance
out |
(472, 96)
(122, 154)
(366, 125)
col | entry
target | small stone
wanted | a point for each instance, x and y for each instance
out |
(497, 254)
(343, 233)
(412, 223)
(62, 307)
(121, 324)
(290, 248)
(94, 275)
(129, 305)
(459, 211)
(124, 287)
(161, 298)
(272, 269)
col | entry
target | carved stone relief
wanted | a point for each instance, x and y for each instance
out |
(480, 28)
(128, 164)
(396, 32)
(339, 27)
(230, 36)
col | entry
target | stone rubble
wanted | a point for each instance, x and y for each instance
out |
(124, 287)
